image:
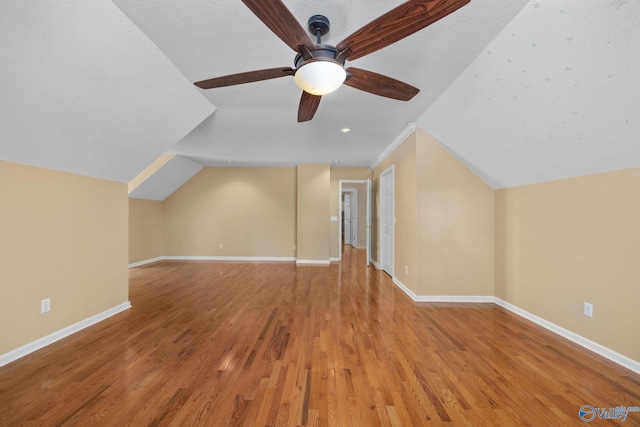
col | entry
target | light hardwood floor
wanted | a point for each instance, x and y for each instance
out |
(224, 344)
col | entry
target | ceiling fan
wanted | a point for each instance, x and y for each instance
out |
(319, 68)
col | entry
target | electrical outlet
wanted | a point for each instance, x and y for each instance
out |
(221, 246)
(294, 247)
(45, 305)
(588, 309)
(406, 269)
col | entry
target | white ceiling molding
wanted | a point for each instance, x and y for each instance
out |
(399, 139)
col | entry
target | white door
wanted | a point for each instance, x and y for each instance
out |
(368, 219)
(387, 220)
(348, 231)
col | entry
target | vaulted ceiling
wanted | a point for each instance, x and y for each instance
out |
(520, 91)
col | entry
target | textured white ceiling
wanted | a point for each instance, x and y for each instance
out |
(521, 91)
(555, 95)
(255, 124)
(85, 91)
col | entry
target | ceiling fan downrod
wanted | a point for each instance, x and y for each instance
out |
(319, 26)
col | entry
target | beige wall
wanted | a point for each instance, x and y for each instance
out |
(145, 230)
(403, 160)
(337, 174)
(456, 225)
(314, 184)
(250, 211)
(64, 237)
(405, 212)
(561, 243)
(444, 221)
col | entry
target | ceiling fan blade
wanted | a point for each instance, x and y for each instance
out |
(378, 84)
(397, 24)
(247, 77)
(308, 106)
(275, 15)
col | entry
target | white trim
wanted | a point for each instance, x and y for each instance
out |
(212, 258)
(353, 192)
(145, 262)
(404, 134)
(334, 259)
(312, 262)
(603, 351)
(599, 349)
(368, 222)
(340, 190)
(62, 333)
(228, 258)
(375, 264)
(388, 173)
(403, 288)
(478, 299)
(443, 298)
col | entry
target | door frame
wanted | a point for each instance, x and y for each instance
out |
(353, 193)
(386, 174)
(345, 183)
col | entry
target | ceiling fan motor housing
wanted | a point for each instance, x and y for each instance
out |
(322, 52)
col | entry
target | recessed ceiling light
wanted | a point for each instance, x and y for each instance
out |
(229, 161)
(345, 130)
(335, 162)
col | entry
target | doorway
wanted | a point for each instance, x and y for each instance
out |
(354, 231)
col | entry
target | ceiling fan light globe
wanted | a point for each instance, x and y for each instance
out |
(320, 77)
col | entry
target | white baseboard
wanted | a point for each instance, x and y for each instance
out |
(226, 258)
(334, 259)
(145, 262)
(479, 299)
(402, 287)
(375, 264)
(603, 351)
(62, 333)
(442, 298)
(312, 262)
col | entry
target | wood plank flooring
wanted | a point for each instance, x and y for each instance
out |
(272, 344)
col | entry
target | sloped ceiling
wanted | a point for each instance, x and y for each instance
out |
(85, 91)
(255, 124)
(555, 95)
(166, 179)
(521, 91)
